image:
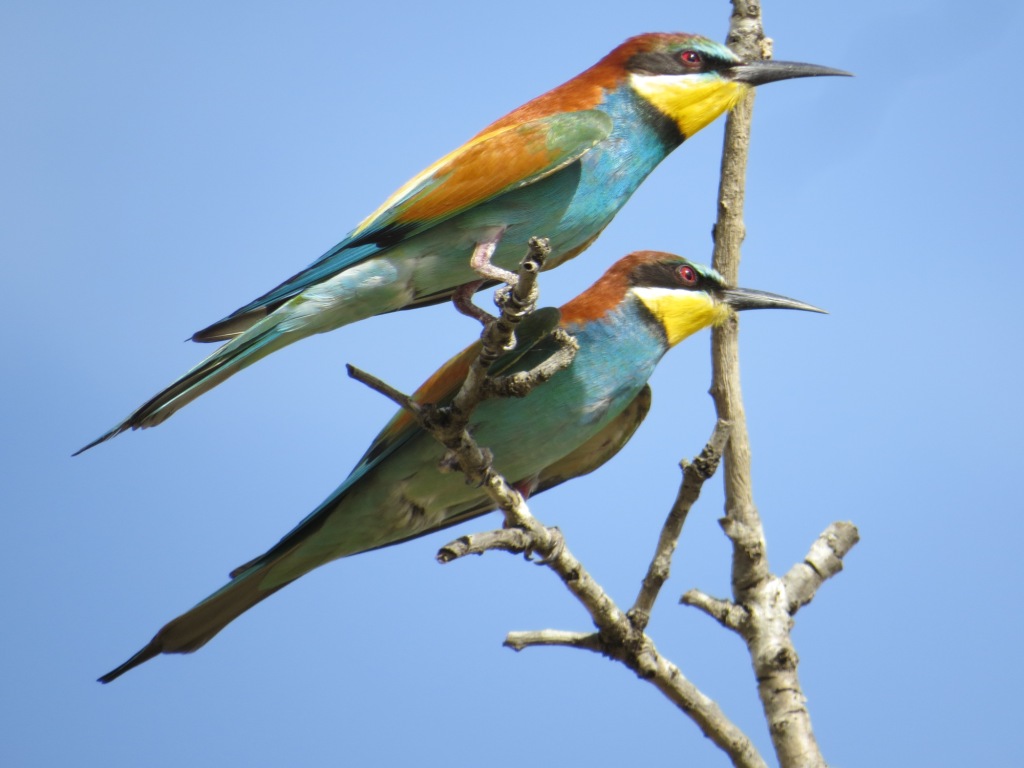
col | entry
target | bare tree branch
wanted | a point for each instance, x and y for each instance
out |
(521, 383)
(589, 641)
(823, 561)
(708, 716)
(514, 540)
(619, 636)
(515, 302)
(767, 629)
(749, 564)
(377, 385)
(763, 604)
(667, 678)
(694, 475)
(725, 612)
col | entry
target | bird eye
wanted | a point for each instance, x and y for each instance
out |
(687, 275)
(691, 59)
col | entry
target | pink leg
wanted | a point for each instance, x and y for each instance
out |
(480, 261)
(526, 487)
(462, 298)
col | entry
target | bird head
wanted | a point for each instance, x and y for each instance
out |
(680, 296)
(692, 80)
(688, 79)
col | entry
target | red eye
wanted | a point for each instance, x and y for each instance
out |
(687, 275)
(691, 59)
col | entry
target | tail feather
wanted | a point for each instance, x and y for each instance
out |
(222, 364)
(231, 326)
(192, 630)
(361, 291)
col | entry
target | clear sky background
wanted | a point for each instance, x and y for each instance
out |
(164, 163)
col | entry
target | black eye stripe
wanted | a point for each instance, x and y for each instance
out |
(671, 63)
(664, 275)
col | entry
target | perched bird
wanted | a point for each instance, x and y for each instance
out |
(645, 304)
(560, 167)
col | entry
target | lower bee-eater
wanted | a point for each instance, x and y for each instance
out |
(560, 167)
(568, 426)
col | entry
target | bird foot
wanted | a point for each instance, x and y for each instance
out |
(510, 304)
(480, 261)
(462, 299)
(557, 548)
(451, 462)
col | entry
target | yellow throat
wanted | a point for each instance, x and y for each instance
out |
(682, 313)
(691, 101)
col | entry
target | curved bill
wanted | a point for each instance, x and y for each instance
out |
(761, 72)
(747, 298)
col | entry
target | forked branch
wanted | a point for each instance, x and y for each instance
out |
(762, 604)
(618, 635)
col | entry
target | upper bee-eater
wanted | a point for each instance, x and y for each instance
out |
(568, 426)
(560, 166)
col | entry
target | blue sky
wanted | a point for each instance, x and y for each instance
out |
(164, 163)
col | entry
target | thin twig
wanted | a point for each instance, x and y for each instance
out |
(694, 475)
(498, 335)
(823, 561)
(618, 636)
(518, 641)
(514, 540)
(378, 385)
(725, 612)
(521, 383)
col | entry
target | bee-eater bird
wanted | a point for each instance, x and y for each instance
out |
(560, 166)
(566, 427)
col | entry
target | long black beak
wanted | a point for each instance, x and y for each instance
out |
(747, 298)
(761, 72)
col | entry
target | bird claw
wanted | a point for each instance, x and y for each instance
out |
(507, 301)
(557, 548)
(450, 463)
(462, 299)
